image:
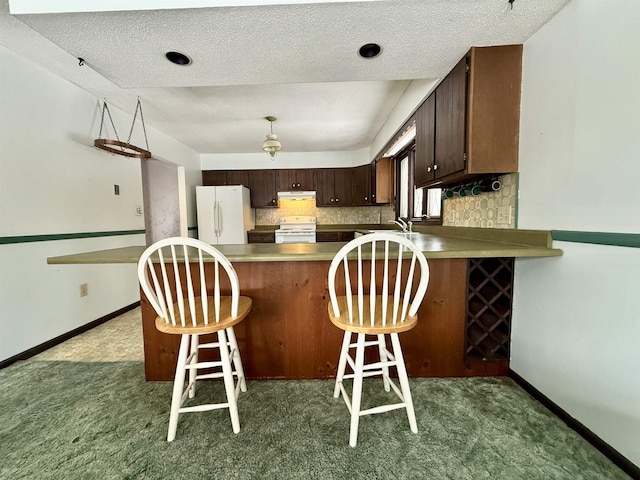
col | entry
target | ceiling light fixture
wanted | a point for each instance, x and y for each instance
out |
(178, 58)
(370, 50)
(271, 145)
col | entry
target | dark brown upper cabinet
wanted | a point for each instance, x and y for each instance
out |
(238, 177)
(262, 184)
(333, 187)
(361, 193)
(476, 120)
(425, 142)
(213, 178)
(294, 179)
(450, 118)
(225, 177)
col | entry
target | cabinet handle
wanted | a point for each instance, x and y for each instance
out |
(366, 198)
(332, 199)
(298, 185)
(273, 201)
(337, 199)
(435, 166)
(428, 169)
(293, 185)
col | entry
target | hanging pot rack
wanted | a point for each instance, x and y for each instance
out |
(117, 146)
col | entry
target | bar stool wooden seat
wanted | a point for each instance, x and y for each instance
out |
(183, 279)
(382, 299)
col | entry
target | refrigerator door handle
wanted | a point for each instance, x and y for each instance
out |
(215, 219)
(220, 226)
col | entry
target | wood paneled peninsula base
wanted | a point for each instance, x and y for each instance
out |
(288, 333)
(464, 321)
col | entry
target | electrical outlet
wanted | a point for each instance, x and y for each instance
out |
(84, 289)
(504, 216)
(116, 189)
(138, 211)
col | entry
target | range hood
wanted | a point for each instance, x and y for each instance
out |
(297, 195)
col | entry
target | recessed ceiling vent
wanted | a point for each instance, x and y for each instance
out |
(178, 58)
(370, 50)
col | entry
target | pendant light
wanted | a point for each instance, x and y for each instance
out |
(271, 145)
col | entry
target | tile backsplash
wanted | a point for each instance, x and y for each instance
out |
(325, 216)
(482, 210)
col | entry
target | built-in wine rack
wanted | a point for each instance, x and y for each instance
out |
(489, 301)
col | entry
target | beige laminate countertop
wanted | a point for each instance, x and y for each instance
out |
(435, 242)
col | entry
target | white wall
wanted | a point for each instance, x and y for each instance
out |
(53, 182)
(162, 192)
(260, 160)
(576, 326)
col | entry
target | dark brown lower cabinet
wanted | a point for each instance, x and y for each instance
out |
(489, 306)
(261, 237)
(334, 236)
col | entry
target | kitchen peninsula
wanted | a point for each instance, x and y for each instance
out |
(464, 321)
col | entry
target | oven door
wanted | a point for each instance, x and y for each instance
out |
(293, 236)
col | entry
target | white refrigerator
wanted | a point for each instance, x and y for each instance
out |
(224, 214)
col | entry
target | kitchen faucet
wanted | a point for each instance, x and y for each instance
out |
(401, 223)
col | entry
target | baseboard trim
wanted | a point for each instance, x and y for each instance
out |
(607, 450)
(66, 336)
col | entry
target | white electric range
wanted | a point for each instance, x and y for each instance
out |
(298, 229)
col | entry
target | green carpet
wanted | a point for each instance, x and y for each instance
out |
(66, 420)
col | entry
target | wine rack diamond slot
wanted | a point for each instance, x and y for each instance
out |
(489, 302)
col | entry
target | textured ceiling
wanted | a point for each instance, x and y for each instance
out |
(297, 62)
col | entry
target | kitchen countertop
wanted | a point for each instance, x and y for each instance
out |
(435, 242)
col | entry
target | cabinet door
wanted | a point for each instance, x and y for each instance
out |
(451, 107)
(325, 196)
(304, 179)
(290, 179)
(238, 177)
(495, 77)
(425, 141)
(383, 181)
(213, 178)
(361, 193)
(286, 180)
(327, 236)
(347, 236)
(262, 184)
(343, 187)
(261, 237)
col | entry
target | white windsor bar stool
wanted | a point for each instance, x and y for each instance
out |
(183, 279)
(383, 302)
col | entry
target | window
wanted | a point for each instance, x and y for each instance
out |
(434, 203)
(405, 180)
(414, 203)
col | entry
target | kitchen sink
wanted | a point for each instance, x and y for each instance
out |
(395, 232)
